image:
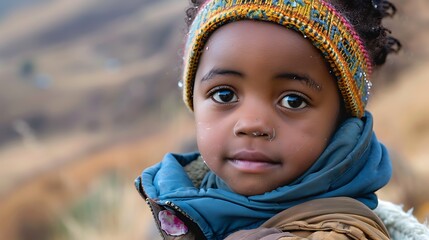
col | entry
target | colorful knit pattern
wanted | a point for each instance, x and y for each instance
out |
(315, 19)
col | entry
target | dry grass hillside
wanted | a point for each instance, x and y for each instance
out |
(89, 97)
(63, 93)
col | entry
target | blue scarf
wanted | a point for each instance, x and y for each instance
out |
(354, 164)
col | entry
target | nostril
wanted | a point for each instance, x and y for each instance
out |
(259, 134)
(239, 133)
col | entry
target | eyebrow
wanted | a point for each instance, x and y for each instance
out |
(220, 72)
(307, 80)
(288, 75)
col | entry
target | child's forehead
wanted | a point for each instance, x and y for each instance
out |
(248, 49)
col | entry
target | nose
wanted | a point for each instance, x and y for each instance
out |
(255, 117)
(255, 127)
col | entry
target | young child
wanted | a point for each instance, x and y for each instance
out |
(286, 149)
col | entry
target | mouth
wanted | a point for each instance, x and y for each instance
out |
(252, 162)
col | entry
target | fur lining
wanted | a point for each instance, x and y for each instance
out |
(196, 171)
(400, 224)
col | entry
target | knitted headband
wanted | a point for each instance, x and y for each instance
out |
(319, 22)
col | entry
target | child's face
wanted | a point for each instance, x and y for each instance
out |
(256, 78)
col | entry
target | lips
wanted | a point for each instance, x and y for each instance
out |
(252, 162)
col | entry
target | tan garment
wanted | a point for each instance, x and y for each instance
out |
(338, 218)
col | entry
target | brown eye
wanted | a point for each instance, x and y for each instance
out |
(224, 96)
(293, 101)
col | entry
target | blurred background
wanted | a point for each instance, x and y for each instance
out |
(89, 97)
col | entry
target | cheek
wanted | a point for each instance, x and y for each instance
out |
(209, 138)
(205, 132)
(307, 140)
(210, 125)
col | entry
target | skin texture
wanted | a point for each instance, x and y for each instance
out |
(265, 105)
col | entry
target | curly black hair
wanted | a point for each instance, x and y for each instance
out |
(366, 17)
